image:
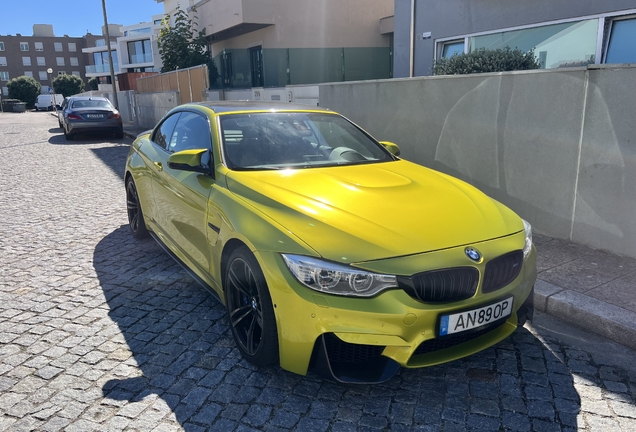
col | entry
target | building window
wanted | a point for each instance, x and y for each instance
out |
(59, 61)
(24, 46)
(28, 73)
(72, 47)
(58, 46)
(41, 61)
(74, 61)
(4, 76)
(449, 49)
(39, 46)
(555, 45)
(76, 73)
(1, 46)
(43, 76)
(3, 61)
(61, 73)
(621, 48)
(565, 44)
(100, 42)
(26, 61)
(139, 52)
(5, 90)
(157, 22)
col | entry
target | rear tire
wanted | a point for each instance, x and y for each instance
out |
(249, 309)
(68, 136)
(136, 221)
(119, 134)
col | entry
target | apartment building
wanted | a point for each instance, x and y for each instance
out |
(133, 48)
(34, 55)
(563, 34)
(274, 43)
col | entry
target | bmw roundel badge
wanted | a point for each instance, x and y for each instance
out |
(473, 254)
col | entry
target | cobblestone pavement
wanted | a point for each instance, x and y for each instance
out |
(102, 332)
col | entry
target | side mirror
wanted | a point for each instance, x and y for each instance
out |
(391, 147)
(189, 160)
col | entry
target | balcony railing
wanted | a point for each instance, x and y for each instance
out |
(103, 68)
(140, 58)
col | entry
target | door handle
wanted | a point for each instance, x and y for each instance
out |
(159, 166)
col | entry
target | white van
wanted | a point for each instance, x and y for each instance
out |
(48, 102)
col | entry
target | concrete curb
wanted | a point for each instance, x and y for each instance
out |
(586, 312)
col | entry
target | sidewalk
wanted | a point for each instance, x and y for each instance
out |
(593, 289)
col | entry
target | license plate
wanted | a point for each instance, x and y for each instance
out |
(462, 321)
(94, 116)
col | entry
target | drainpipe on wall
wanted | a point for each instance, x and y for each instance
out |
(412, 40)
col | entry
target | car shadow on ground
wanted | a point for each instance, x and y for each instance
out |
(83, 138)
(182, 351)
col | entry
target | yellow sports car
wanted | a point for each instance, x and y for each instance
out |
(330, 252)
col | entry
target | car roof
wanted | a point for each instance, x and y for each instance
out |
(88, 98)
(233, 106)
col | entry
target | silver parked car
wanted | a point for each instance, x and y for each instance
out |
(85, 114)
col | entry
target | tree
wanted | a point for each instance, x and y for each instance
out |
(93, 83)
(68, 85)
(482, 60)
(180, 47)
(25, 89)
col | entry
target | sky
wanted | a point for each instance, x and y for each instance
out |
(73, 18)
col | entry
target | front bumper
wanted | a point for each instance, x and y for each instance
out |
(402, 329)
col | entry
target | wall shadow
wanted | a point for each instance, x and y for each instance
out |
(114, 157)
(180, 342)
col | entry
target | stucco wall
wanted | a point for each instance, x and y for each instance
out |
(151, 107)
(557, 146)
(300, 24)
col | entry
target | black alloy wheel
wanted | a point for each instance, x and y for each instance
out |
(249, 308)
(135, 216)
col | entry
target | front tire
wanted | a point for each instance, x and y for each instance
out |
(136, 221)
(249, 309)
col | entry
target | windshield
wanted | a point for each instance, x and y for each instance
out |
(295, 140)
(92, 103)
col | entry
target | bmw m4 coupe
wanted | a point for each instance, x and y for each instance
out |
(329, 251)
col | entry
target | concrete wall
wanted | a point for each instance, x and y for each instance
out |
(449, 18)
(151, 107)
(556, 146)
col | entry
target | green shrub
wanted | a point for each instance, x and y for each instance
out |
(482, 60)
(68, 85)
(25, 89)
(93, 83)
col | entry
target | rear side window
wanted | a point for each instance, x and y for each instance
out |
(163, 134)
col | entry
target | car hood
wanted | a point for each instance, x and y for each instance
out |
(369, 212)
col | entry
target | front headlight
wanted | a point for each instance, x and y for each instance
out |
(337, 279)
(528, 246)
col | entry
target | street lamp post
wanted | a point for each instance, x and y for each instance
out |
(110, 56)
(51, 92)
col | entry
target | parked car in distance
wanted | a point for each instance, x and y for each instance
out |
(48, 102)
(60, 112)
(329, 252)
(90, 115)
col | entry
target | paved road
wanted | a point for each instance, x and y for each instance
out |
(102, 332)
